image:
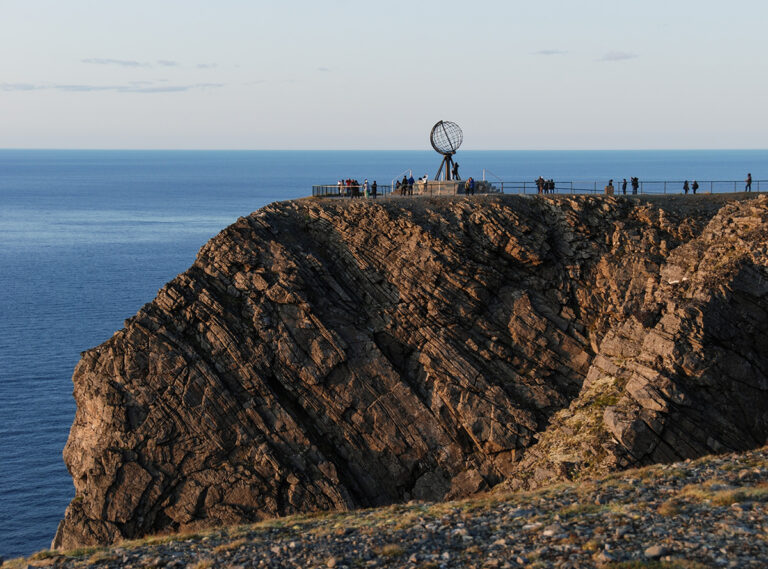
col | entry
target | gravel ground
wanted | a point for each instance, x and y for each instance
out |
(705, 513)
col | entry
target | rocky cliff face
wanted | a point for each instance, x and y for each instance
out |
(343, 354)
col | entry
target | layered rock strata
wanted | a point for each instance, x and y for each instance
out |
(329, 354)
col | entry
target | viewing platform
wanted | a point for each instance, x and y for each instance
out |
(456, 187)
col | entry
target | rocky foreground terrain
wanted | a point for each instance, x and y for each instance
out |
(712, 512)
(333, 355)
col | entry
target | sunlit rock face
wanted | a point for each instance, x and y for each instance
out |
(338, 354)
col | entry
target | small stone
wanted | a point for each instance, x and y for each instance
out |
(331, 562)
(655, 551)
(604, 557)
(413, 558)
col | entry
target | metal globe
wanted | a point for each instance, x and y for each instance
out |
(446, 137)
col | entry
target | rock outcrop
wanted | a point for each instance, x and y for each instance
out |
(329, 354)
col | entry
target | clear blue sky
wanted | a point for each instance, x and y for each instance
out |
(344, 74)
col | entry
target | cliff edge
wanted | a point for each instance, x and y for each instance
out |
(333, 355)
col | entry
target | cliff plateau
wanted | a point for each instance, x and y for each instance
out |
(340, 354)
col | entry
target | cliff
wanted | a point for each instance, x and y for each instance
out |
(336, 354)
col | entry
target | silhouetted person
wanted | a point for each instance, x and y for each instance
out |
(609, 188)
(685, 187)
(748, 187)
(411, 181)
(694, 187)
(624, 187)
(374, 189)
(635, 184)
(456, 171)
(404, 186)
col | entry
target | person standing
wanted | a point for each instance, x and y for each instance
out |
(404, 186)
(411, 181)
(609, 188)
(685, 187)
(624, 186)
(694, 187)
(748, 187)
(456, 171)
(374, 189)
(365, 188)
(635, 184)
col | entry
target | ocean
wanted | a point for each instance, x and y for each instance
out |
(87, 237)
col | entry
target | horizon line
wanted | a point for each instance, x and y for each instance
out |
(115, 149)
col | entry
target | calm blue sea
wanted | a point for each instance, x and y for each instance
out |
(88, 237)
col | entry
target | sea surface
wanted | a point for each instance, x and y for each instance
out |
(88, 237)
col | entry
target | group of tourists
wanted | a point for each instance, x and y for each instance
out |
(404, 187)
(686, 187)
(634, 181)
(354, 189)
(545, 186)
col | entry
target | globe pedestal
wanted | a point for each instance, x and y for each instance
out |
(447, 163)
(450, 188)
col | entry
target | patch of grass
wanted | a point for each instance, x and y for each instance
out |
(669, 508)
(45, 554)
(202, 564)
(102, 555)
(389, 550)
(82, 551)
(639, 564)
(230, 546)
(579, 510)
(605, 400)
(160, 539)
(726, 497)
(592, 545)
(18, 563)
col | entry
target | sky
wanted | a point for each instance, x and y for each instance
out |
(360, 74)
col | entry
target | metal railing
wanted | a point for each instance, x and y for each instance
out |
(659, 187)
(342, 191)
(645, 187)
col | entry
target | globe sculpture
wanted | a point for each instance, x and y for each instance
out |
(446, 137)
